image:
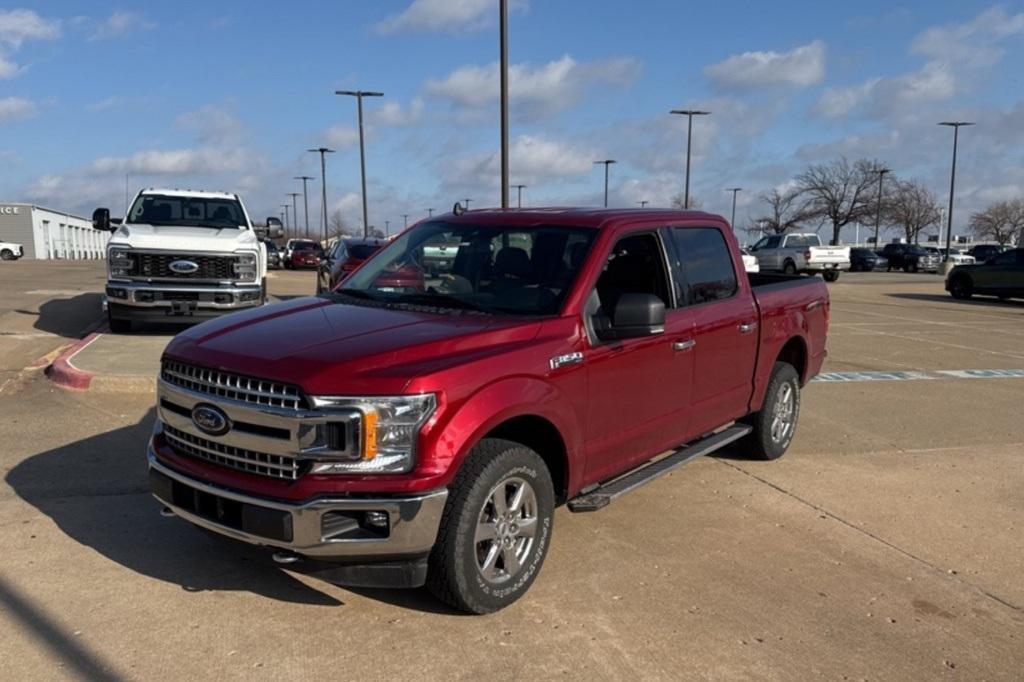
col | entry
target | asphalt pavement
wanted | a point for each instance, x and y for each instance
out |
(887, 543)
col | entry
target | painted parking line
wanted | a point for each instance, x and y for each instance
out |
(919, 375)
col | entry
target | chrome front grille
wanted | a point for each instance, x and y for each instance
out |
(232, 386)
(275, 466)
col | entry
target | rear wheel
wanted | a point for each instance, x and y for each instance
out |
(789, 268)
(830, 275)
(775, 424)
(961, 287)
(495, 529)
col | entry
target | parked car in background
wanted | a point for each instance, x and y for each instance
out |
(11, 251)
(273, 255)
(344, 257)
(793, 253)
(910, 258)
(182, 256)
(749, 261)
(865, 260)
(438, 258)
(956, 256)
(306, 254)
(1002, 276)
(425, 437)
(982, 252)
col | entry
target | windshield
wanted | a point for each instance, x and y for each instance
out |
(362, 251)
(306, 246)
(158, 209)
(489, 268)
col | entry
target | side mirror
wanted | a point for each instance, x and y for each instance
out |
(634, 315)
(101, 219)
(274, 229)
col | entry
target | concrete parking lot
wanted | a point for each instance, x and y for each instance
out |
(886, 544)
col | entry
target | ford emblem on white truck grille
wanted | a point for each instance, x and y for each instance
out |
(210, 419)
(183, 267)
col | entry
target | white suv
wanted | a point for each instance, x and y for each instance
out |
(182, 255)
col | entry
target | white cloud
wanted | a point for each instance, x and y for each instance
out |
(934, 82)
(121, 23)
(211, 124)
(532, 159)
(540, 90)
(341, 137)
(393, 114)
(974, 43)
(838, 102)
(16, 109)
(20, 25)
(8, 69)
(445, 15)
(200, 161)
(800, 67)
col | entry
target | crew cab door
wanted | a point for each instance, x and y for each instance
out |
(725, 321)
(639, 389)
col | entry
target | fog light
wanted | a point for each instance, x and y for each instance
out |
(249, 296)
(116, 292)
(377, 520)
(222, 298)
(144, 296)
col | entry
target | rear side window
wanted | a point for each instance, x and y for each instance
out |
(363, 251)
(704, 263)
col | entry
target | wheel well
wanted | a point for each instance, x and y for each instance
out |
(542, 437)
(795, 353)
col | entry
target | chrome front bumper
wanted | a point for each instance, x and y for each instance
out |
(165, 295)
(320, 529)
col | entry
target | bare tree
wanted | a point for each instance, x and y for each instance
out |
(786, 209)
(1000, 222)
(911, 206)
(679, 201)
(840, 192)
(337, 228)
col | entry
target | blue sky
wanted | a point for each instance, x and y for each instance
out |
(228, 95)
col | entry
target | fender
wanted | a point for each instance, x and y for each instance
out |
(451, 439)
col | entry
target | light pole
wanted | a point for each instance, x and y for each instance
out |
(387, 228)
(878, 212)
(305, 200)
(606, 162)
(955, 125)
(295, 210)
(126, 176)
(405, 218)
(519, 195)
(323, 187)
(285, 208)
(467, 203)
(689, 114)
(430, 212)
(643, 202)
(735, 191)
(503, 54)
(359, 95)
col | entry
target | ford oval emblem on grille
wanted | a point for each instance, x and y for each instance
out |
(183, 267)
(210, 419)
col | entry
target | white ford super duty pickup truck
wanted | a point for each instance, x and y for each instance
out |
(793, 253)
(181, 256)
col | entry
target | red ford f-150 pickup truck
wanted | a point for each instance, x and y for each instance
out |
(385, 436)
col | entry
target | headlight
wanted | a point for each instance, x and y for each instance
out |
(386, 430)
(119, 263)
(245, 266)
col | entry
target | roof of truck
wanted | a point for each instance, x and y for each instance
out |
(577, 217)
(202, 194)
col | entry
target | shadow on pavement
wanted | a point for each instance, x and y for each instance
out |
(985, 302)
(67, 317)
(96, 491)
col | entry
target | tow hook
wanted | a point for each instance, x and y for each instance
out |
(283, 556)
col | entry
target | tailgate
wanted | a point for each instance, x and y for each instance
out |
(829, 254)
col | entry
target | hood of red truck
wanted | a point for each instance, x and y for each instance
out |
(333, 348)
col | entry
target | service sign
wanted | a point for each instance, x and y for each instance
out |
(9, 210)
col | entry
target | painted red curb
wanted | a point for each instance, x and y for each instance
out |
(65, 374)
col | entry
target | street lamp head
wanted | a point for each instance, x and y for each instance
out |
(358, 93)
(689, 112)
(322, 150)
(606, 161)
(304, 177)
(956, 124)
(733, 189)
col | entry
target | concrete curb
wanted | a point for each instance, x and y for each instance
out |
(63, 373)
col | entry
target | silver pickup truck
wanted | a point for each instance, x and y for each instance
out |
(793, 253)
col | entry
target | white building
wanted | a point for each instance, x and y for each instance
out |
(47, 234)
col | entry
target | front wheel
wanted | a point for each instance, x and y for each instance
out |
(7, 254)
(495, 529)
(961, 288)
(830, 275)
(775, 424)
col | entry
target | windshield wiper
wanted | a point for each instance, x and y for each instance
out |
(357, 293)
(438, 299)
